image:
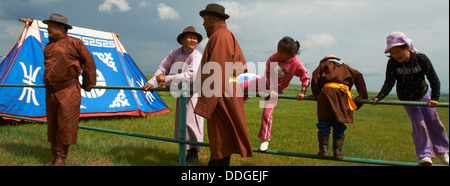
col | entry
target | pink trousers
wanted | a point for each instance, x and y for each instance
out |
(259, 85)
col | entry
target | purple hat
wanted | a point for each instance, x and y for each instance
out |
(398, 39)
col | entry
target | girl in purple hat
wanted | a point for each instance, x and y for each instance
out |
(408, 68)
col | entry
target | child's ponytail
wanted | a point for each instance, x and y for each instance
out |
(289, 45)
(298, 47)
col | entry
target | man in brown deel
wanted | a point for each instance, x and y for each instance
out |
(65, 58)
(224, 111)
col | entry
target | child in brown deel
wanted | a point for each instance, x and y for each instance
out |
(331, 83)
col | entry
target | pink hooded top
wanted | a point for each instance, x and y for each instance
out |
(286, 71)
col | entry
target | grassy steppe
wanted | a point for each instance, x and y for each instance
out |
(379, 132)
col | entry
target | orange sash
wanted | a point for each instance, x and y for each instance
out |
(343, 88)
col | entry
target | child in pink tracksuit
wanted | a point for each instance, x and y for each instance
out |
(281, 67)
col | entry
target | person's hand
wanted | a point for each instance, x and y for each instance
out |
(147, 86)
(432, 103)
(300, 96)
(160, 78)
(273, 94)
(375, 100)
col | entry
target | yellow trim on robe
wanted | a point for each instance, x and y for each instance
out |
(233, 79)
(345, 89)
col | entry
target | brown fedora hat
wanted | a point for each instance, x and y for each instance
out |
(189, 30)
(214, 9)
(58, 18)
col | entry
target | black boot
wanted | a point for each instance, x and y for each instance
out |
(223, 162)
(220, 162)
(211, 161)
(192, 156)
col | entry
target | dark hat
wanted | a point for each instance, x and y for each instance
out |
(58, 18)
(214, 9)
(189, 30)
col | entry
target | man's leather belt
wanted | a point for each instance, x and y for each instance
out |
(55, 87)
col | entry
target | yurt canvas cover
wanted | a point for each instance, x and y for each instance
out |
(25, 65)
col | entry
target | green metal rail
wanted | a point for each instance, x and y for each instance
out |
(382, 102)
(182, 141)
(275, 152)
(283, 96)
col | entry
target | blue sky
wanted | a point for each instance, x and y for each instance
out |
(354, 30)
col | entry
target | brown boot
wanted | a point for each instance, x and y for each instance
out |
(337, 147)
(323, 145)
(53, 147)
(61, 152)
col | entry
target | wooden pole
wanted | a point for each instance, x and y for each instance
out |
(25, 20)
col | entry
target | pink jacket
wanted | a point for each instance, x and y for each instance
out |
(286, 71)
(178, 65)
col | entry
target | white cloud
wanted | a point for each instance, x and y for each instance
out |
(110, 6)
(166, 12)
(238, 11)
(264, 9)
(347, 28)
(342, 5)
(143, 4)
(321, 40)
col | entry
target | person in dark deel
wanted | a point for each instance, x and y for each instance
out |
(224, 111)
(65, 58)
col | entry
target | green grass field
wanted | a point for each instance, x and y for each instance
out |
(380, 132)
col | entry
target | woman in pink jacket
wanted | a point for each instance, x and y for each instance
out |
(180, 65)
(281, 67)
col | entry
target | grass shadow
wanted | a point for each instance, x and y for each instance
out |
(148, 156)
(25, 153)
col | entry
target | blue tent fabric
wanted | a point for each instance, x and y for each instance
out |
(25, 65)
